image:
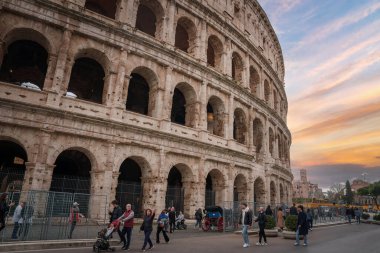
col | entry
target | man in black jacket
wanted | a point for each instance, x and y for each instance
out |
(261, 220)
(302, 226)
(116, 213)
(293, 210)
(246, 221)
(172, 217)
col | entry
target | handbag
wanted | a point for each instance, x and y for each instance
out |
(142, 226)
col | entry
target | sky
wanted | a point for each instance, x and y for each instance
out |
(332, 79)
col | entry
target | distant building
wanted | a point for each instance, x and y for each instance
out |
(304, 189)
(357, 184)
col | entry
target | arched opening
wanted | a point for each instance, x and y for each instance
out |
(271, 141)
(259, 192)
(214, 52)
(275, 100)
(266, 92)
(71, 173)
(175, 191)
(184, 106)
(279, 146)
(240, 127)
(185, 35)
(24, 62)
(214, 188)
(149, 17)
(254, 80)
(282, 195)
(178, 114)
(240, 189)
(272, 194)
(138, 95)
(12, 166)
(215, 116)
(103, 7)
(237, 67)
(87, 80)
(258, 134)
(129, 188)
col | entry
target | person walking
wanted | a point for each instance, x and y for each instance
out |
(4, 209)
(357, 215)
(246, 221)
(162, 220)
(147, 227)
(261, 220)
(302, 228)
(293, 210)
(16, 218)
(172, 218)
(74, 218)
(348, 214)
(114, 215)
(198, 217)
(280, 218)
(127, 217)
(309, 219)
(26, 220)
(269, 211)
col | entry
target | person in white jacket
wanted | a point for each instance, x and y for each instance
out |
(16, 218)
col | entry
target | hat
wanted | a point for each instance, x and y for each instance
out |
(75, 204)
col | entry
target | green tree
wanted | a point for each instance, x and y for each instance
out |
(349, 194)
(373, 190)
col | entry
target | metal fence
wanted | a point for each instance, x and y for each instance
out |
(46, 216)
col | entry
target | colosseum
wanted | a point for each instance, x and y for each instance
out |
(151, 102)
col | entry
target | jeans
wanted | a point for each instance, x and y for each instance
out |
(298, 237)
(199, 223)
(172, 225)
(358, 219)
(159, 230)
(15, 230)
(147, 239)
(245, 234)
(310, 223)
(128, 232)
(262, 233)
(349, 218)
(73, 224)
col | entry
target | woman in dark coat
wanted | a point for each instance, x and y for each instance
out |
(302, 226)
(269, 211)
(4, 209)
(147, 227)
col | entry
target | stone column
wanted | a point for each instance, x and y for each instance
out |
(227, 58)
(109, 86)
(202, 49)
(159, 103)
(170, 32)
(100, 193)
(3, 50)
(167, 101)
(246, 73)
(230, 122)
(49, 77)
(118, 102)
(203, 107)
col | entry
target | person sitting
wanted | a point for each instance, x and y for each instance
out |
(180, 219)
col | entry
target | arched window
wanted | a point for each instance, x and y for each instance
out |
(215, 116)
(240, 128)
(178, 114)
(149, 17)
(138, 94)
(240, 188)
(237, 67)
(214, 52)
(266, 91)
(271, 139)
(103, 7)
(25, 61)
(184, 110)
(185, 35)
(258, 134)
(87, 80)
(254, 80)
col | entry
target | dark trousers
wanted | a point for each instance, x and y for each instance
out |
(147, 239)
(15, 230)
(310, 223)
(159, 230)
(172, 225)
(24, 230)
(73, 224)
(2, 223)
(126, 240)
(262, 233)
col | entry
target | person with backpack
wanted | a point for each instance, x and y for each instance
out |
(162, 220)
(261, 220)
(4, 209)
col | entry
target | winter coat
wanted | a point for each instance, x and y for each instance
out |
(309, 216)
(261, 219)
(116, 213)
(280, 219)
(269, 211)
(162, 220)
(293, 210)
(148, 222)
(247, 217)
(172, 216)
(301, 221)
(4, 209)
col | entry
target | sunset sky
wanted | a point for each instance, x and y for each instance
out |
(332, 79)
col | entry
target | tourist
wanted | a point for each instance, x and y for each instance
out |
(4, 209)
(127, 218)
(302, 227)
(172, 217)
(147, 227)
(114, 215)
(348, 214)
(269, 211)
(74, 218)
(198, 217)
(246, 221)
(293, 209)
(357, 215)
(162, 220)
(261, 220)
(280, 218)
(16, 218)
(26, 220)
(309, 219)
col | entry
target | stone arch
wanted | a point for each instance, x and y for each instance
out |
(271, 140)
(184, 105)
(258, 134)
(214, 52)
(237, 67)
(215, 116)
(240, 126)
(103, 7)
(240, 188)
(266, 91)
(12, 164)
(149, 18)
(273, 193)
(254, 80)
(259, 191)
(185, 35)
(141, 91)
(282, 195)
(214, 190)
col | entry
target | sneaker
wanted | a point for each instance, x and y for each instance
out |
(296, 244)
(151, 247)
(265, 244)
(258, 244)
(245, 245)
(305, 244)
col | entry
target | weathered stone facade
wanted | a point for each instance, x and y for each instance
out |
(215, 103)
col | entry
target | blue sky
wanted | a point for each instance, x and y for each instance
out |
(332, 79)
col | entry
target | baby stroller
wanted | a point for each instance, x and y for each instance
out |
(102, 242)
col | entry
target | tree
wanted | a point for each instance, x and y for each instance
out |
(336, 192)
(349, 194)
(373, 190)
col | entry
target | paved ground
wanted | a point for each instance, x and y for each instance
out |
(343, 238)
